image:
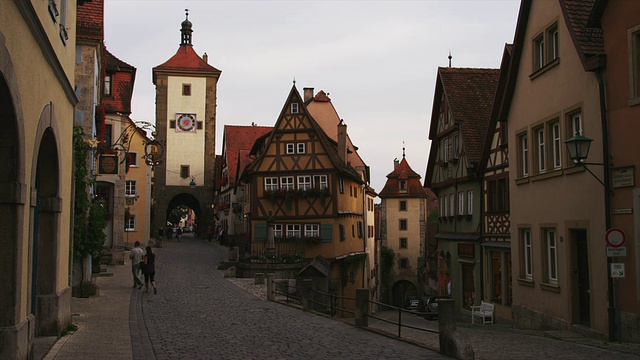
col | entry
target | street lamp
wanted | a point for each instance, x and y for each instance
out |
(192, 183)
(578, 148)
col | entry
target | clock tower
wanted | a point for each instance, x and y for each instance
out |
(186, 93)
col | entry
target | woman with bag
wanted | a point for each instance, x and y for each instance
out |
(149, 270)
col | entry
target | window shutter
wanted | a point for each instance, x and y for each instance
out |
(260, 232)
(360, 229)
(326, 232)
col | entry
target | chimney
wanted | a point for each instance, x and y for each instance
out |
(308, 94)
(342, 141)
(205, 57)
(396, 162)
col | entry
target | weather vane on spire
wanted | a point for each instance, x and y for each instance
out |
(403, 153)
(294, 80)
(187, 12)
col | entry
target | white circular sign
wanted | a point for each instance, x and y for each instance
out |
(615, 237)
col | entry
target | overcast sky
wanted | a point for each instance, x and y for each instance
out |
(377, 59)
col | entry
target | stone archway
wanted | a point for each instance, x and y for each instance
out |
(187, 200)
(402, 290)
(46, 224)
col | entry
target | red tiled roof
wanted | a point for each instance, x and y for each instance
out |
(186, 60)
(237, 143)
(588, 40)
(122, 79)
(90, 20)
(403, 172)
(470, 94)
(321, 96)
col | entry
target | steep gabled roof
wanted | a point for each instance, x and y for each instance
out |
(329, 146)
(237, 139)
(470, 95)
(123, 77)
(90, 20)
(186, 61)
(589, 41)
(403, 172)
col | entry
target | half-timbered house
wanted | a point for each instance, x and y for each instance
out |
(461, 111)
(494, 167)
(307, 198)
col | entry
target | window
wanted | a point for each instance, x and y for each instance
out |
(63, 22)
(132, 159)
(360, 229)
(551, 275)
(469, 202)
(556, 144)
(538, 50)
(286, 182)
(304, 182)
(446, 150)
(403, 243)
(403, 205)
(523, 149)
(576, 124)
(461, 203)
(271, 184)
(184, 171)
(546, 47)
(291, 148)
(527, 256)
(320, 181)
(199, 125)
(540, 149)
(172, 124)
(186, 89)
(341, 185)
(53, 10)
(634, 65)
(403, 224)
(343, 232)
(404, 263)
(312, 230)
(456, 145)
(130, 223)
(301, 148)
(293, 230)
(403, 185)
(277, 231)
(108, 133)
(107, 85)
(130, 188)
(294, 108)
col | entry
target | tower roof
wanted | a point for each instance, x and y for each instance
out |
(403, 171)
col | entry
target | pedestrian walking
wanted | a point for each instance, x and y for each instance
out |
(179, 233)
(149, 270)
(136, 259)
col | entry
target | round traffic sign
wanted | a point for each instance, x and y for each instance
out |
(615, 237)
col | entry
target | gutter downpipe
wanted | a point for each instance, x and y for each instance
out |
(613, 328)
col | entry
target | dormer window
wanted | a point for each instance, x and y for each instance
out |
(403, 185)
(107, 85)
(294, 108)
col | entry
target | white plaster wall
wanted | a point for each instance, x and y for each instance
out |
(185, 148)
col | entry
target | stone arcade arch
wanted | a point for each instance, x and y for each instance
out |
(402, 290)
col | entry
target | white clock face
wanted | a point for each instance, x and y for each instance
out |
(186, 122)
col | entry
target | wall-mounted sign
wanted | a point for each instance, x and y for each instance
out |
(465, 251)
(107, 164)
(623, 177)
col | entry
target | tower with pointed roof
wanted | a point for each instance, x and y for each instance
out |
(403, 215)
(186, 93)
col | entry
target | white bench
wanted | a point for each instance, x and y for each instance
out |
(484, 311)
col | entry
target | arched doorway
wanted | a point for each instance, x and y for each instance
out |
(188, 214)
(403, 290)
(45, 237)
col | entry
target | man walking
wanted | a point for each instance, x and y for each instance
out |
(136, 258)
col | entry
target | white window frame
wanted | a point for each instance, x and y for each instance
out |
(295, 108)
(576, 123)
(293, 231)
(130, 188)
(107, 84)
(291, 148)
(277, 231)
(312, 230)
(527, 254)
(557, 145)
(461, 203)
(554, 50)
(551, 243)
(133, 156)
(301, 148)
(304, 182)
(320, 181)
(130, 223)
(540, 150)
(271, 184)
(539, 52)
(287, 183)
(469, 202)
(524, 153)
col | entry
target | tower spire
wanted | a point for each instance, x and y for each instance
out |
(403, 150)
(450, 57)
(186, 30)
